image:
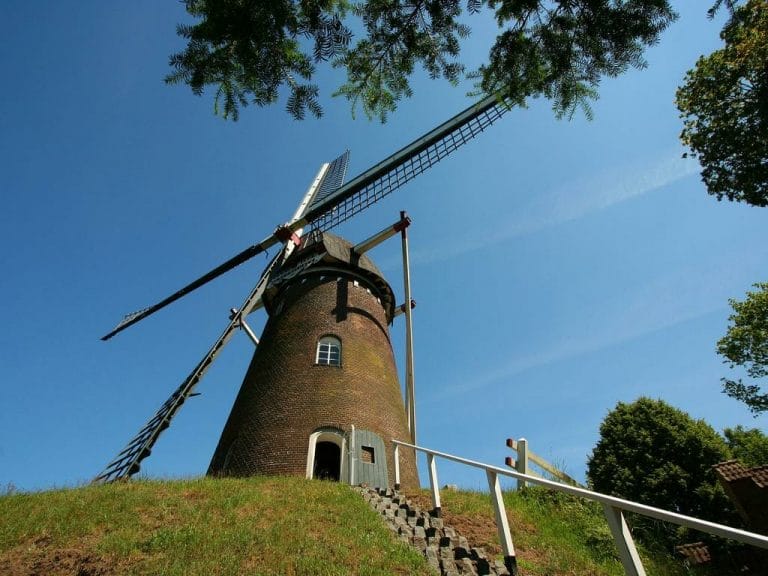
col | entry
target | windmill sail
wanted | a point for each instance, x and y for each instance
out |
(330, 204)
(330, 209)
(333, 180)
(128, 461)
(405, 164)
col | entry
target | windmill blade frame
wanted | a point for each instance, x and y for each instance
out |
(331, 174)
(404, 165)
(128, 461)
(331, 209)
(323, 209)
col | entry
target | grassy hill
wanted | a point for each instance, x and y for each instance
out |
(280, 526)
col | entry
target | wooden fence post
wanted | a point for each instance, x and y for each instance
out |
(526, 458)
(522, 461)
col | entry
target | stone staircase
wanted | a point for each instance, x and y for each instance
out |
(447, 552)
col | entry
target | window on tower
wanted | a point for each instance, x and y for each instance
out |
(328, 351)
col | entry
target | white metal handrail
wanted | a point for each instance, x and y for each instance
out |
(612, 506)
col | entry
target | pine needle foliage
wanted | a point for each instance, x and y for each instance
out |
(249, 49)
(558, 49)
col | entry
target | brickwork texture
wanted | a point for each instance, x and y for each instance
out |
(286, 396)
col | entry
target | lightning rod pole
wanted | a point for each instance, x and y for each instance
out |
(410, 396)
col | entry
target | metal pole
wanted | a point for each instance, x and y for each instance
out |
(410, 394)
(244, 327)
(397, 467)
(385, 234)
(352, 456)
(502, 522)
(433, 483)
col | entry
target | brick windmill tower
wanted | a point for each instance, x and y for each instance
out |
(321, 397)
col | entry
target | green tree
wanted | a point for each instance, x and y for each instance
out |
(748, 445)
(724, 106)
(745, 345)
(653, 453)
(559, 49)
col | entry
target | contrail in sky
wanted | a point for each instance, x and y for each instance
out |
(662, 303)
(567, 203)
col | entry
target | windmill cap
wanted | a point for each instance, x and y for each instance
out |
(323, 249)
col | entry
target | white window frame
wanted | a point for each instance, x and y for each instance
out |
(324, 354)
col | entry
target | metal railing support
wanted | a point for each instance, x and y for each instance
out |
(352, 457)
(397, 467)
(434, 484)
(243, 326)
(502, 522)
(385, 234)
(401, 309)
(628, 555)
(613, 506)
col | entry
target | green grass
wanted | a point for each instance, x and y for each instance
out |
(286, 526)
(200, 527)
(553, 534)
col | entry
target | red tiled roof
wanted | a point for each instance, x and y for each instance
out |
(733, 470)
(695, 552)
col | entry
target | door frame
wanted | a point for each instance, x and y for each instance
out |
(335, 436)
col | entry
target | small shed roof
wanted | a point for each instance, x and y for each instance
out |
(733, 470)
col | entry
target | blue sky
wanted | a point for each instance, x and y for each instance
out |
(559, 267)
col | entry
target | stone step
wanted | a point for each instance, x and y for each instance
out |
(447, 552)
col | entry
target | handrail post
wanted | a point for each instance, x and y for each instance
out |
(433, 484)
(502, 522)
(633, 566)
(397, 467)
(522, 461)
(352, 456)
(613, 507)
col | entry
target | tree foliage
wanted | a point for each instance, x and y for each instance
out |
(250, 49)
(724, 106)
(745, 345)
(748, 445)
(559, 49)
(653, 453)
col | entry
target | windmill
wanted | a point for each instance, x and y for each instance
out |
(302, 280)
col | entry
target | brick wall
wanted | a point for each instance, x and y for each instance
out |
(285, 396)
